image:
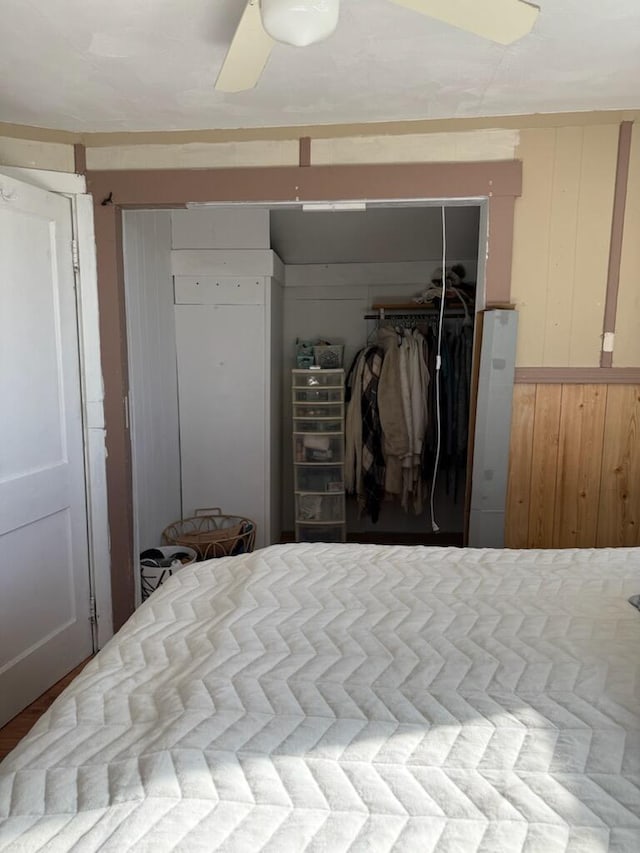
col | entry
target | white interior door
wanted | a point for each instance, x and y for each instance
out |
(44, 567)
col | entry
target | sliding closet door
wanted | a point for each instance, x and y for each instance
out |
(153, 384)
(221, 370)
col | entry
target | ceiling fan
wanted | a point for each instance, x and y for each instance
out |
(302, 22)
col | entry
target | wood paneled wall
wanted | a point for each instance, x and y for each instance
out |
(574, 474)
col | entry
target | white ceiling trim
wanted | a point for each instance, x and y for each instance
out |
(195, 155)
(463, 146)
(32, 154)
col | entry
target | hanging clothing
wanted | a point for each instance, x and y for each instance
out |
(373, 462)
(391, 419)
(418, 381)
(353, 427)
(395, 440)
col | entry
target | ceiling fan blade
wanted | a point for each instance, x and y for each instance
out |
(502, 21)
(247, 54)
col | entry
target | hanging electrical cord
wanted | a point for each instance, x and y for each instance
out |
(434, 525)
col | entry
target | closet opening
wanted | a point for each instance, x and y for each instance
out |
(216, 298)
(368, 280)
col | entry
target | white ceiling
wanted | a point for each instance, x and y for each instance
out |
(91, 65)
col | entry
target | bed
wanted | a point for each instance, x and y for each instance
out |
(351, 697)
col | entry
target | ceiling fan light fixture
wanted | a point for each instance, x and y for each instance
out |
(299, 22)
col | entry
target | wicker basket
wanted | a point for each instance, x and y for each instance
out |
(212, 534)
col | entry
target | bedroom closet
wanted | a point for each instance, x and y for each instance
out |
(352, 278)
(216, 298)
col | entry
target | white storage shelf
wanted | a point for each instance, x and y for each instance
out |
(318, 454)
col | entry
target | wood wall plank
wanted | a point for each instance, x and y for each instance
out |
(619, 505)
(582, 420)
(546, 428)
(520, 460)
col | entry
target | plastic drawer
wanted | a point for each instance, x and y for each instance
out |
(320, 532)
(318, 425)
(319, 506)
(317, 395)
(317, 378)
(314, 447)
(319, 478)
(318, 410)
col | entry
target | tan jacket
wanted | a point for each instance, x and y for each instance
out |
(396, 443)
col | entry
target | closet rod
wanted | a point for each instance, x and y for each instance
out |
(390, 314)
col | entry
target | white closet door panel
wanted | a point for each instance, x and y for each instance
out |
(222, 408)
(274, 409)
(153, 383)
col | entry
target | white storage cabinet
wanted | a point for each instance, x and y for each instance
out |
(228, 306)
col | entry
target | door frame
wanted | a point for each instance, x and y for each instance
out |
(496, 183)
(91, 385)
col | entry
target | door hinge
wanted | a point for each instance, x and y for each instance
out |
(93, 610)
(75, 255)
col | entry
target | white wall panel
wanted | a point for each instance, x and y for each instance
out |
(416, 273)
(463, 146)
(274, 407)
(238, 227)
(32, 154)
(195, 155)
(221, 353)
(225, 262)
(152, 372)
(218, 290)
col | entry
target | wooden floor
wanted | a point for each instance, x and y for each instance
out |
(17, 728)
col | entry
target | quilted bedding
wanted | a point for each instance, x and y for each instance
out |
(351, 697)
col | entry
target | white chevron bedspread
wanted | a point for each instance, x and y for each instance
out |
(351, 697)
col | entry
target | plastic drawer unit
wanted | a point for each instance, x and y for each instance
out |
(318, 455)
